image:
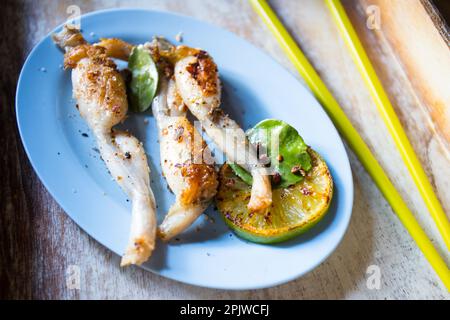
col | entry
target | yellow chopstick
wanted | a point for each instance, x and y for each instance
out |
(390, 118)
(352, 137)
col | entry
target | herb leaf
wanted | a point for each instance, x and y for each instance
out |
(289, 154)
(144, 79)
(242, 173)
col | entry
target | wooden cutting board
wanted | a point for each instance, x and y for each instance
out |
(40, 246)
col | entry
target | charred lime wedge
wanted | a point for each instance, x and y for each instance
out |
(294, 209)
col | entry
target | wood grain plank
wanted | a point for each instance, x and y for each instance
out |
(38, 242)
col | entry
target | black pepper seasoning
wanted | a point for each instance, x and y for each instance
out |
(276, 178)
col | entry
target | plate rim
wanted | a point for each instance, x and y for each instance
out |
(281, 280)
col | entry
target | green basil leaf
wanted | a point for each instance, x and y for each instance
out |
(144, 79)
(242, 173)
(291, 151)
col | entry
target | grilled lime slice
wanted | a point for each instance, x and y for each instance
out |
(294, 209)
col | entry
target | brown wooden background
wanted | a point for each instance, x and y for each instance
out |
(38, 242)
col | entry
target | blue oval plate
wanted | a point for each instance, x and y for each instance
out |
(64, 155)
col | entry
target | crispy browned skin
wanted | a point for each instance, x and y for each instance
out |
(172, 53)
(200, 177)
(192, 180)
(116, 48)
(204, 71)
(103, 82)
(69, 37)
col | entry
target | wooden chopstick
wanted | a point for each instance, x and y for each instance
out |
(352, 137)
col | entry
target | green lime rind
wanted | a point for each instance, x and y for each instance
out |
(144, 79)
(246, 235)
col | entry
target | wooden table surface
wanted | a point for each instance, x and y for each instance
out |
(39, 243)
